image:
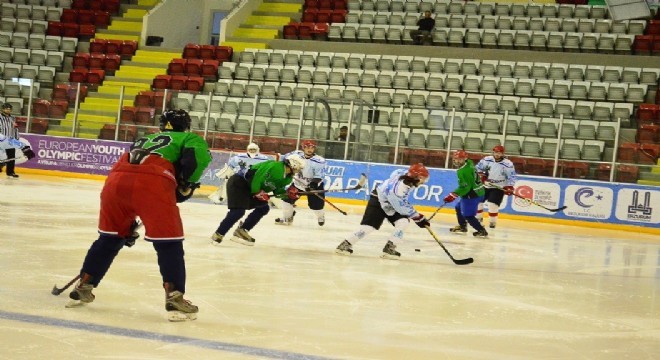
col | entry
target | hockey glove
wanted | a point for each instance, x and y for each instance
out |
(28, 152)
(261, 196)
(483, 177)
(185, 191)
(451, 197)
(508, 190)
(293, 193)
(421, 220)
(130, 239)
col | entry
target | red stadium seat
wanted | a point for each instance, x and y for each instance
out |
(161, 82)
(193, 67)
(80, 60)
(207, 51)
(194, 83)
(113, 46)
(177, 67)
(98, 45)
(627, 173)
(191, 51)
(178, 82)
(69, 16)
(128, 114)
(96, 61)
(85, 17)
(54, 28)
(224, 53)
(210, 69)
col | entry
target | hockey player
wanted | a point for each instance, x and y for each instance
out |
(471, 193)
(160, 170)
(311, 178)
(234, 165)
(390, 201)
(250, 188)
(7, 143)
(496, 170)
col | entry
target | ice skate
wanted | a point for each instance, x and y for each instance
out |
(480, 233)
(178, 308)
(216, 239)
(345, 248)
(458, 229)
(492, 225)
(216, 198)
(242, 236)
(321, 220)
(285, 221)
(81, 295)
(389, 252)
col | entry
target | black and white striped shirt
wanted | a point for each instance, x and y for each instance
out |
(7, 127)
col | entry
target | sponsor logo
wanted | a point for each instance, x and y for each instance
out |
(593, 202)
(543, 193)
(640, 208)
(635, 205)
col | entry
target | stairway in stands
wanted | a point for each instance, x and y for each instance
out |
(264, 24)
(101, 107)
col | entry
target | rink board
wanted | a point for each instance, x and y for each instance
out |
(586, 200)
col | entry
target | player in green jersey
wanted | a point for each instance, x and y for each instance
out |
(471, 192)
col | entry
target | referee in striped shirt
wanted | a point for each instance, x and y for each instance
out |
(8, 129)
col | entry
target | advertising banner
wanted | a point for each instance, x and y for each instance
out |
(585, 200)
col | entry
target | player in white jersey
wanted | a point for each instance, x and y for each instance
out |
(8, 143)
(499, 171)
(390, 201)
(234, 165)
(310, 178)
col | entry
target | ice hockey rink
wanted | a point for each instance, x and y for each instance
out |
(534, 291)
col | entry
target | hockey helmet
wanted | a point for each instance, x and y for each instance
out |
(175, 120)
(7, 106)
(460, 154)
(418, 171)
(295, 162)
(498, 149)
(252, 149)
(308, 143)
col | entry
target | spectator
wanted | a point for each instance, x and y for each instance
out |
(423, 34)
(343, 134)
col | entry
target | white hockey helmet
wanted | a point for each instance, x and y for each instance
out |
(252, 149)
(295, 162)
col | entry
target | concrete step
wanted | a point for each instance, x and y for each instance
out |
(255, 34)
(108, 36)
(276, 21)
(128, 80)
(280, 7)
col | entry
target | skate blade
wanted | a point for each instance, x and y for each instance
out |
(390, 257)
(283, 223)
(241, 241)
(342, 252)
(74, 304)
(178, 316)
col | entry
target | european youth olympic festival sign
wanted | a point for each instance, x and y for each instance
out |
(615, 203)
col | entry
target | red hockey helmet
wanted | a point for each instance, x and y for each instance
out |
(308, 143)
(460, 155)
(418, 171)
(498, 149)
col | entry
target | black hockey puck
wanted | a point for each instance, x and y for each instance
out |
(418, 250)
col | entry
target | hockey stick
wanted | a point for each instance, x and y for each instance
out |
(136, 225)
(56, 291)
(331, 204)
(12, 159)
(436, 211)
(360, 185)
(530, 200)
(465, 261)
